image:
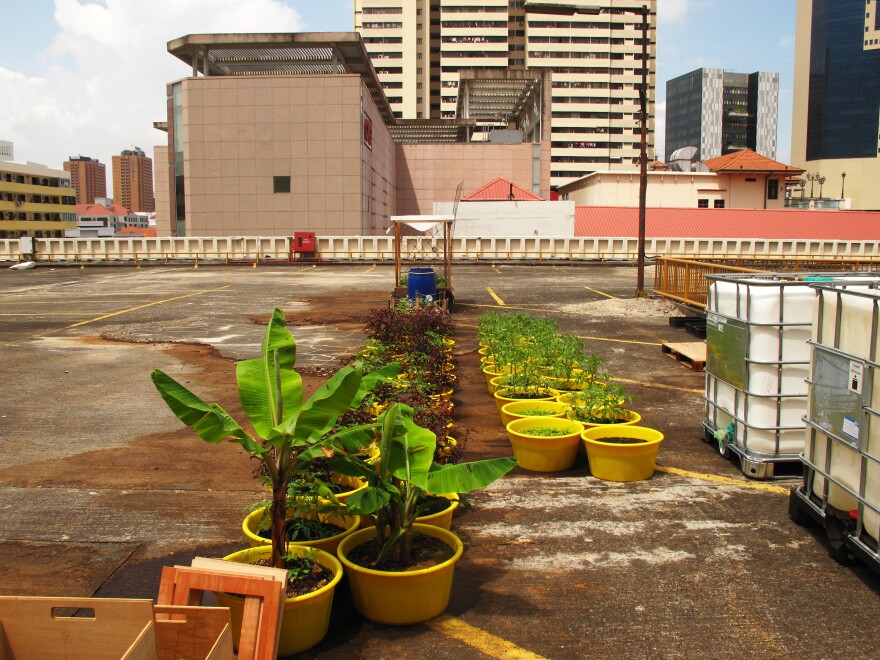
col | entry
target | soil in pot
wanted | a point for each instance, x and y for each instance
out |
(426, 552)
(624, 441)
(304, 575)
(428, 505)
(303, 530)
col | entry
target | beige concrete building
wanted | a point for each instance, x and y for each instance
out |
(591, 51)
(739, 180)
(277, 133)
(35, 201)
(836, 116)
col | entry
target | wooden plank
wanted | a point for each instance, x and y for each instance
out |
(203, 633)
(34, 627)
(263, 606)
(692, 354)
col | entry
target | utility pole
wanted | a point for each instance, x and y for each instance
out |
(643, 156)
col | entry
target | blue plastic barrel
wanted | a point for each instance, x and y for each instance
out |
(421, 282)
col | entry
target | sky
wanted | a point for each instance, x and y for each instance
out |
(81, 77)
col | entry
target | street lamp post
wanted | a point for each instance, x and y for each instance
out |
(842, 184)
(821, 180)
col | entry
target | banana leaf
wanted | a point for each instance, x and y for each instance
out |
(257, 380)
(209, 421)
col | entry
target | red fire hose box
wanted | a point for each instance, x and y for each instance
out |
(304, 241)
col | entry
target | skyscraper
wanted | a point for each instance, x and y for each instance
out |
(836, 116)
(719, 112)
(88, 177)
(133, 181)
(592, 50)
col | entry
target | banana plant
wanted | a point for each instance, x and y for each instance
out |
(287, 431)
(404, 471)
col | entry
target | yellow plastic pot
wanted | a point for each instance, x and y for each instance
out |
(501, 396)
(492, 370)
(544, 453)
(622, 462)
(496, 382)
(442, 519)
(514, 409)
(306, 618)
(349, 524)
(406, 597)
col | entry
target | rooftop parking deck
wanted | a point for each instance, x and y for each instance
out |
(100, 485)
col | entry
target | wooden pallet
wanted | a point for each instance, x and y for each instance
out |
(691, 353)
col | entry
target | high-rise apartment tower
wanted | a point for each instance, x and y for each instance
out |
(836, 108)
(719, 112)
(133, 181)
(593, 51)
(88, 176)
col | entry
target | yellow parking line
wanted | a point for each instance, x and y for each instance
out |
(729, 481)
(370, 268)
(660, 386)
(495, 296)
(156, 302)
(601, 293)
(623, 341)
(481, 640)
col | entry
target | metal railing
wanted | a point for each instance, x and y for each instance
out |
(684, 280)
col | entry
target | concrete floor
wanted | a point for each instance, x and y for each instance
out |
(100, 486)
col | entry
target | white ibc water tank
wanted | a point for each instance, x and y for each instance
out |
(846, 326)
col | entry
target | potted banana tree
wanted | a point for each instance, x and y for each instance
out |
(288, 432)
(387, 584)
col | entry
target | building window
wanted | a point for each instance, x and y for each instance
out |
(773, 189)
(281, 184)
(702, 203)
(719, 203)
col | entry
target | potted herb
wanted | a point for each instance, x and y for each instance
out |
(545, 444)
(386, 585)
(600, 403)
(288, 431)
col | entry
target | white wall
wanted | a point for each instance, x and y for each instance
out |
(510, 218)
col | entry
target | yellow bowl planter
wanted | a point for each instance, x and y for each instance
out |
(622, 462)
(544, 453)
(251, 525)
(492, 370)
(406, 597)
(518, 409)
(501, 396)
(442, 519)
(306, 618)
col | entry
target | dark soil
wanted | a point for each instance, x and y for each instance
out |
(309, 575)
(428, 505)
(622, 441)
(426, 552)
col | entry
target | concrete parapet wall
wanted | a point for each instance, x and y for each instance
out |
(381, 248)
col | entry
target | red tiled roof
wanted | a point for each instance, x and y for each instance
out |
(604, 221)
(501, 190)
(148, 232)
(91, 210)
(748, 161)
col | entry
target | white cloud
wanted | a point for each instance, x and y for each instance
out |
(672, 11)
(104, 84)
